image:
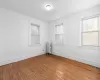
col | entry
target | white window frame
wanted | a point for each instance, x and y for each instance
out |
(59, 34)
(98, 31)
(30, 34)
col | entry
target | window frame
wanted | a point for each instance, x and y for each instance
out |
(62, 34)
(30, 34)
(98, 31)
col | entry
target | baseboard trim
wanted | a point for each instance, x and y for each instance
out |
(81, 60)
(3, 63)
(77, 63)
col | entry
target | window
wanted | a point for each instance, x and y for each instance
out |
(90, 32)
(34, 34)
(59, 34)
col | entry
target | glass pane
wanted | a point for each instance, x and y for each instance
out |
(35, 40)
(58, 39)
(90, 38)
(59, 29)
(35, 30)
(90, 24)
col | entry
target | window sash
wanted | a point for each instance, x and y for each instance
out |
(34, 34)
(91, 31)
(59, 31)
(82, 38)
(35, 30)
(60, 40)
(35, 40)
(88, 24)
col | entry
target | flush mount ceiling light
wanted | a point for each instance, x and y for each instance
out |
(48, 7)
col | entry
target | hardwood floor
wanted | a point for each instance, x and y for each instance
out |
(49, 68)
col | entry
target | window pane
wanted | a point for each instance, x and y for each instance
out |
(59, 29)
(90, 24)
(35, 40)
(58, 39)
(90, 38)
(35, 30)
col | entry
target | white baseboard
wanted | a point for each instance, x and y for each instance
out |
(81, 60)
(17, 59)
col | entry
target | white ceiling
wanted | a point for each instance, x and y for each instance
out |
(35, 8)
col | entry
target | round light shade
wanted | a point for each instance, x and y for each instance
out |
(48, 7)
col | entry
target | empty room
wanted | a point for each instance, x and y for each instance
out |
(49, 39)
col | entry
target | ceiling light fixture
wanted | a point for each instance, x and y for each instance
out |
(48, 7)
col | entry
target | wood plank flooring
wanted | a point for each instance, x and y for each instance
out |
(49, 68)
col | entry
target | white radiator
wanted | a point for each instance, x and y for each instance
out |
(49, 47)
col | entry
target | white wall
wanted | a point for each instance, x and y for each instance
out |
(72, 49)
(14, 37)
